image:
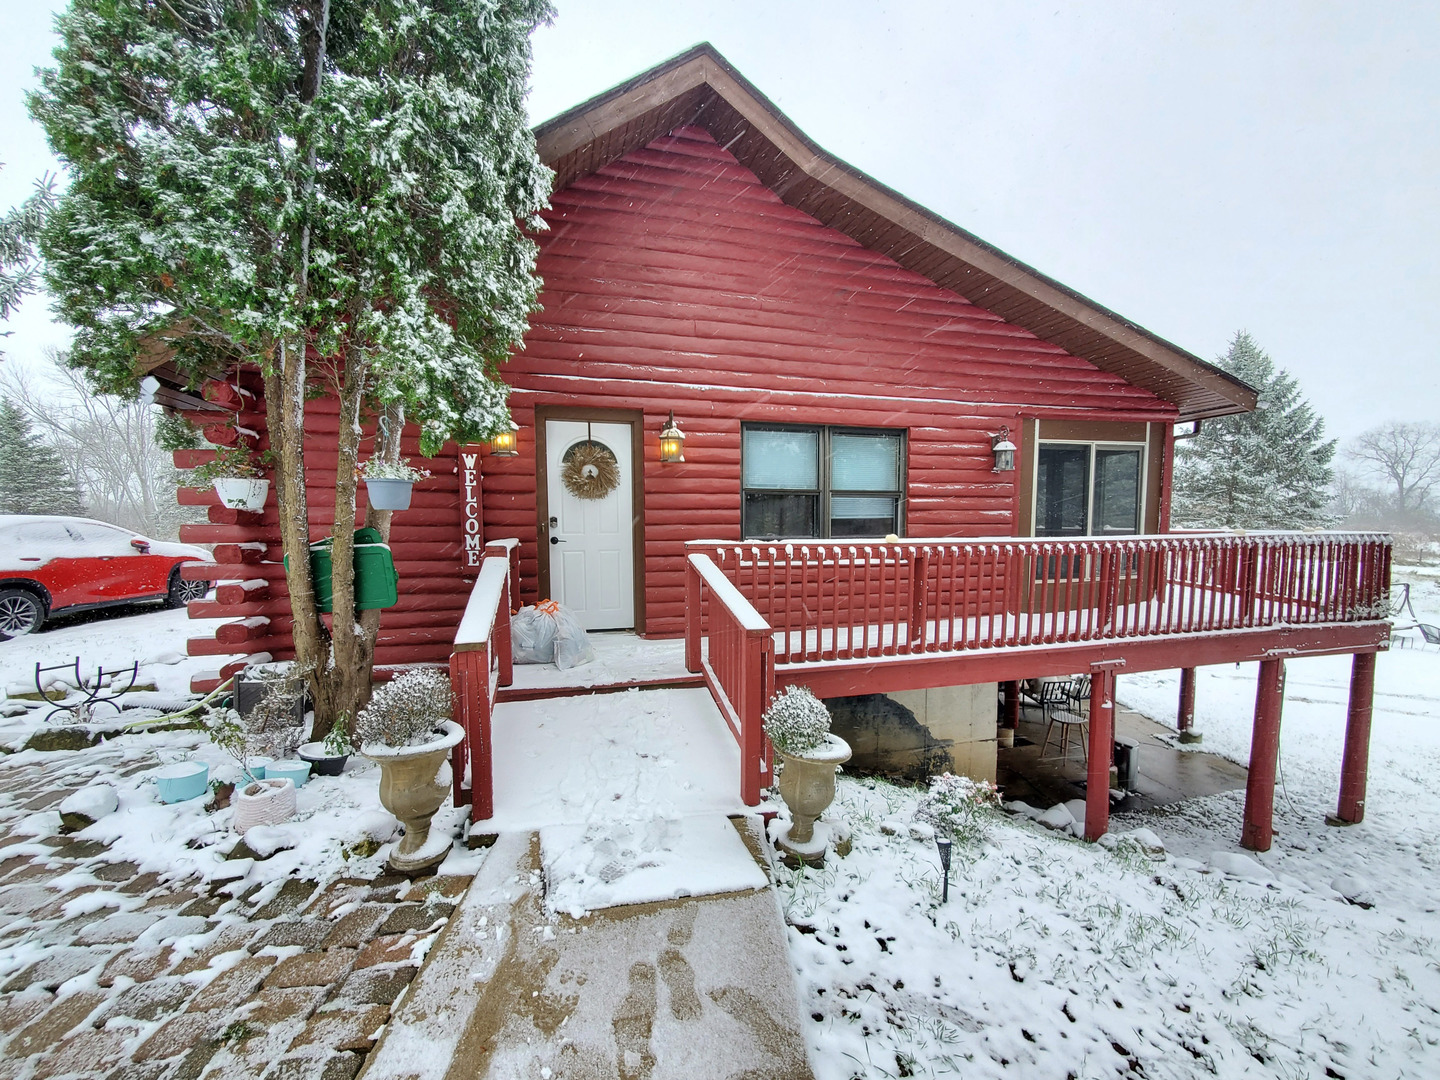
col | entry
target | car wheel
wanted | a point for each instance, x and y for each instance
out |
(183, 591)
(21, 612)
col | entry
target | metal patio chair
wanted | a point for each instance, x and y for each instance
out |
(1068, 707)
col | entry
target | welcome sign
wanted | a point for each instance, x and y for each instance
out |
(472, 549)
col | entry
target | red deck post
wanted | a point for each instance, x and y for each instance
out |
(1097, 776)
(501, 636)
(692, 617)
(1264, 756)
(1012, 706)
(1357, 740)
(1185, 718)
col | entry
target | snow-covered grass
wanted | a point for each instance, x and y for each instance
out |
(156, 638)
(1056, 958)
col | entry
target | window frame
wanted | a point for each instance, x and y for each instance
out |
(1094, 445)
(825, 492)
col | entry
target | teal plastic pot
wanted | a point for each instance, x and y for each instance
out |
(297, 772)
(182, 780)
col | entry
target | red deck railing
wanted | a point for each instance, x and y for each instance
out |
(479, 665)
(849, 601)
(737, 661)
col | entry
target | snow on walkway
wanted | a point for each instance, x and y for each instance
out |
(629, 792)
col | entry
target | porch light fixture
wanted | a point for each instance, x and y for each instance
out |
(672, 441)
(503, 444)
(1004, 451)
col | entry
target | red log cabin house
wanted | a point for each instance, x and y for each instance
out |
(844, 366)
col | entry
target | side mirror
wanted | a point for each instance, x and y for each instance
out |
(142, 546)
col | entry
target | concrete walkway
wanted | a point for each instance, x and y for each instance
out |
(680, 989)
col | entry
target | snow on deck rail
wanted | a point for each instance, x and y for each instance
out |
(726, 592)
(479, 619)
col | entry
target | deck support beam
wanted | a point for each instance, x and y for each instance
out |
(1356, 763)
(1185, 717)
(1102, 737)
(1012, 705)
(1258, 830)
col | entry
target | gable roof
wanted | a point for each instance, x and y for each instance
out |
(700, 87)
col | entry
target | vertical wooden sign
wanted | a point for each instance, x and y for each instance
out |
(472, 549)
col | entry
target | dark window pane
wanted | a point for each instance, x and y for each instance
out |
(864, 462)
(860, 516)
(779, 516)
(1062, 486)
(1117, 492)
(782, 459)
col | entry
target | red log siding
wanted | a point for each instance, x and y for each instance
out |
(424, 540)
(675, 279)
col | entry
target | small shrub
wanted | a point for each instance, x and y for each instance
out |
(796, 721)
(956, 806)
(270, 729)
(407, 711)
(337, 743)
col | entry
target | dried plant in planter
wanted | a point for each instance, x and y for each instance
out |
(409, 710)
(270, 728)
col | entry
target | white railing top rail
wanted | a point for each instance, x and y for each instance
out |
(509, 543)
(727, 594)
(478, 622)
(946, 541)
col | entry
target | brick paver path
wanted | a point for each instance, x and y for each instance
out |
(192, 980)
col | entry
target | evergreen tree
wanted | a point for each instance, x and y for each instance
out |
(19, 229)
(279, 180)
(1267, 469)
(33, 477)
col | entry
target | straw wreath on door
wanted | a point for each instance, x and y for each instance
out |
(589, 470)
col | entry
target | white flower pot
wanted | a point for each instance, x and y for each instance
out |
(242, 493)
(265, 802)
(387, 494)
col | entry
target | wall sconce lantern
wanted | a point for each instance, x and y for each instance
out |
(672, 441)
(503, 444)
(1004, 451)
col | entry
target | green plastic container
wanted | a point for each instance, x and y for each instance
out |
(376, 580)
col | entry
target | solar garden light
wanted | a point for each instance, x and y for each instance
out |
(943, 843)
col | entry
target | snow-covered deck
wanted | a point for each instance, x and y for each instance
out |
(622, 659)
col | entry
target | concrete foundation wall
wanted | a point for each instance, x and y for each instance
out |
(918, 733)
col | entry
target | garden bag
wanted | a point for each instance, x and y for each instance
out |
(548, 633)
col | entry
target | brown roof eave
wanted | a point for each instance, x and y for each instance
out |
(699, 85)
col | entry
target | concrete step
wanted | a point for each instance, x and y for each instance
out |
(699, 987)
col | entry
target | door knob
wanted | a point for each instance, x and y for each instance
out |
(556, 540)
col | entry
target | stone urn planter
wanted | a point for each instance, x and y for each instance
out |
(807, 784)
(414, 781)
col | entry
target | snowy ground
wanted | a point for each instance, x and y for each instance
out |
(154, 637)
(1054, 958)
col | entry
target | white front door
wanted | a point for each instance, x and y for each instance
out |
(592, 540)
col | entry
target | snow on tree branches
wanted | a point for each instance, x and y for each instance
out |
(33, 476)
(1268, 469)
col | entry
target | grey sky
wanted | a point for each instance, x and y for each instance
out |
(1198, 168)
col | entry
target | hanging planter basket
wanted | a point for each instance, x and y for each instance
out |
(242, 492)
(265, 802)
(389, 494)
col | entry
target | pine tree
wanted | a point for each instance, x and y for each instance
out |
(1267, 469)
(33, 477)
(278, 180)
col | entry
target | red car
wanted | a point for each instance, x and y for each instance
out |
(54, 565)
